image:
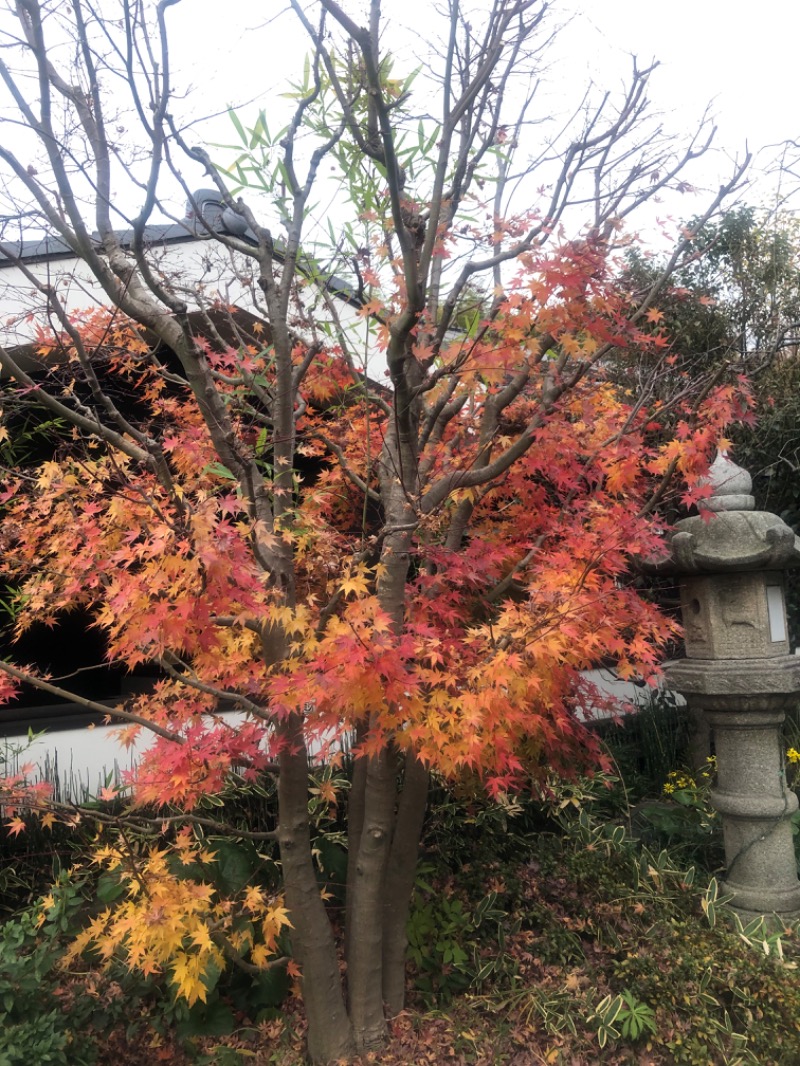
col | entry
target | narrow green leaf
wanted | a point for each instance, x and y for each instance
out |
(611, 1013)
(237, 125)
(434, 137)
(220, 471)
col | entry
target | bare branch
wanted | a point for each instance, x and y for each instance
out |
(89, 705)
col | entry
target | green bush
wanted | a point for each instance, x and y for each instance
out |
(33, 1028)
(683, 819)
(644, 744)
(455, 944)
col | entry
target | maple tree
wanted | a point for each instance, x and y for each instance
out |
(423, 564)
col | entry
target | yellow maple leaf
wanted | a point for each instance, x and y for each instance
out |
(253, 898)
(355, 583)
(202, 938)
(259, 956)
(187, 976)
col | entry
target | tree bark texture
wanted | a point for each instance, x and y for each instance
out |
(355, 824)
(399, 881)
(330, 1034)
(365, 960)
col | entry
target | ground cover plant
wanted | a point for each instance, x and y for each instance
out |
(540, 932)
(406, 518)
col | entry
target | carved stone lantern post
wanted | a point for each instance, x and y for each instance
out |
(739, 672)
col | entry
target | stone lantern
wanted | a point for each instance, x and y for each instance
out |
(739, 673)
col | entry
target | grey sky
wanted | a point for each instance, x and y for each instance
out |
(740, 59)
(743, 58)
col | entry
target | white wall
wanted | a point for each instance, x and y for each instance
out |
(85, 757)
(201, 271)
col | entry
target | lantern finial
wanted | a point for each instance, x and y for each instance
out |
(730, 485)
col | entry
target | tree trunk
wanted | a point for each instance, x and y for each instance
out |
(355, 824)
(399, 883)
(330, 1035)
(364, 963)
(367, 880)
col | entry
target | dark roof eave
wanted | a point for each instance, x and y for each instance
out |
(45, 249)
(52, 249)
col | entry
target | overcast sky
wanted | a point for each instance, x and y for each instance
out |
(743, 60)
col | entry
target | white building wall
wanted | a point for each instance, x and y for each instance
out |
(85, 759)
(202, 271)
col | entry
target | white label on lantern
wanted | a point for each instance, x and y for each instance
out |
(777, 619)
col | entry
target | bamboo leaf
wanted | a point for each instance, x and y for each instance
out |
(238, 126)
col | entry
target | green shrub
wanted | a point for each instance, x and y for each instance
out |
(455, 944)
(643, 744)
(683, 818)
(33, 1028)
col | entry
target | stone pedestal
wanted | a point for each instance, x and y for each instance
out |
(744, 702)
(755, 804)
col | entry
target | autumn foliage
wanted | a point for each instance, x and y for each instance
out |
(484, 676)
(417, 569)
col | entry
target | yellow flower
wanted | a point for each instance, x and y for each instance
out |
(668, 789)
(793, 755)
